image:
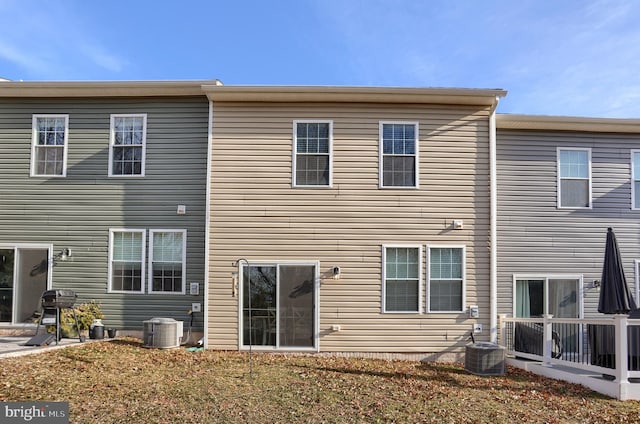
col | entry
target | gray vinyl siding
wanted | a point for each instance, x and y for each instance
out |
(257, 215)
(77, 212)
(536, 237)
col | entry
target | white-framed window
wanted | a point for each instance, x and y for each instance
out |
(635, 179)
(127, 146)
(398, 154)
(401, 271)
(446, 278)
(312, 145)
(49, 147)
(167, 261)
(574, 178)
(126, 260)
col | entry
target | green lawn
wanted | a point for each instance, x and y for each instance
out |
(122, 382)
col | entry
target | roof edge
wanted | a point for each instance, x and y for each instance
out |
(567, 123)
(103, 88)
(244, 93)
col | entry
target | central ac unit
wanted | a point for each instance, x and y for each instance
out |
(162, 333)
(484, 358)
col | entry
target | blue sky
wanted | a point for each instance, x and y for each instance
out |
(561, 57)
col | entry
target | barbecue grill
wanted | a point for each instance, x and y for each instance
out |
(52, 302)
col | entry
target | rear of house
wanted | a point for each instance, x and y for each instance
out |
(348, 219)
(561, 183)
(91, 179)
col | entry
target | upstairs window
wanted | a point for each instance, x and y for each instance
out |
(128, 145)
(167, 261)
(398, 154)
(574, 178)
(49, 149)
(402, 278)
(635, 179)
(312, 157)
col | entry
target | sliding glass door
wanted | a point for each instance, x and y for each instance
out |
(557, 296)
(278, 305)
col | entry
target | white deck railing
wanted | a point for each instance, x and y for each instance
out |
(608, 345)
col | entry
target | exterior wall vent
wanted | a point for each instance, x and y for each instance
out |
(162, 333)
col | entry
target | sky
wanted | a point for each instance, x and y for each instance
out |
(554, 57)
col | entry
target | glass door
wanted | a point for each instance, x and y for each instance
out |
(278, 306)
(7, 259)
(33, 274)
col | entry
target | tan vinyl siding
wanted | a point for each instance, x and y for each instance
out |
(256, 214)
(536, 237)
(76, 212)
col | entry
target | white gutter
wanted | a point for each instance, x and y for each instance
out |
(493, 227)
(207, 226)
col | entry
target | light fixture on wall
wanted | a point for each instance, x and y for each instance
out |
(596, 283)
(182, 209)
(234, 283)
(336, 272)
(457, 224)
(65, 254)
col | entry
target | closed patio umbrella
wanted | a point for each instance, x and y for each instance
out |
(615, 296)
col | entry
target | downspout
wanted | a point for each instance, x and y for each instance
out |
(493, 226)
(207, 227)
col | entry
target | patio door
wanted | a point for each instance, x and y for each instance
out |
(560, 297)
(278, 306)
(24, 275)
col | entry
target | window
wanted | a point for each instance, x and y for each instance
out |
(49, 149)
(279, 305)
(635, 179)
(312, 158)
(446, 279)
(574, 178)
(402, 269)
(126, 260)
(398, 154)
(167, 264)
(128, 144)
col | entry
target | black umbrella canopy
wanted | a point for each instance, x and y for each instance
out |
(615, 297)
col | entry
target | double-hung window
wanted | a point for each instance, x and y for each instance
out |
(446, 278)
(312, 153)
(127, 145)
(402, 270)
(398, 154)
(49, 148)
(126, 260)
(635, 179)
(574, 178)
(167, 261)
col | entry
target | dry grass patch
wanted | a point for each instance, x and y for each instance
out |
(120, 381)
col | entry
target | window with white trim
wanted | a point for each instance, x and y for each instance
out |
(446, 278)
(635, 179)
(398, 154)
(167, 261)
(127, 145)
(49, 147)
(401, 276)
(574, 178)
(126, 260)
(312, 153)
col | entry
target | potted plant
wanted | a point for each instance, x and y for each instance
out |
(85, 312)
